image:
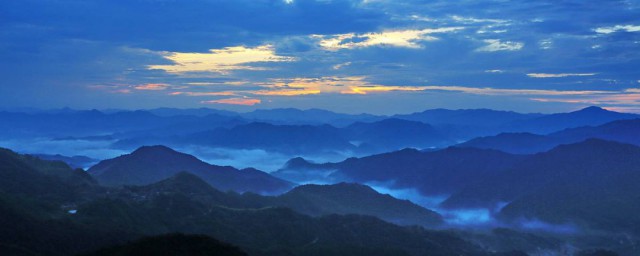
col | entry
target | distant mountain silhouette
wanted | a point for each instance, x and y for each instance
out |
(467, 117)
(625, 131)
(308, 116)
(72, 123)
(192, 112)
(282, 138)
(151, 164)
(394, 134)
(591, 116)
(375, 137)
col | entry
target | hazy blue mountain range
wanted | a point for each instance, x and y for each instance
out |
(548, 183)
(308, 116)
(591, 116)
(380, 136)
(626, 131)
(94, 122)
(438, 172)
(468, 117)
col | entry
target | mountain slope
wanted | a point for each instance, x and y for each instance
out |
(467, 117)
(147, 165)
(394, 134)
(308, 116)
(351, 198)
(594, 181)
(313, 200)
(280, 138)
(515, 143)
(29, 175)
(625, 131)
(433, 173)
(591, 116)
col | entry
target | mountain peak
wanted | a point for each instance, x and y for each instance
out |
(153, 150)
(184, 182)
(296, 162)
(593, 109)
(342, 187)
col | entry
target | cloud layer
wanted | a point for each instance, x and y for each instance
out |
(346, 55)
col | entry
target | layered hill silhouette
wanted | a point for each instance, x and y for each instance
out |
(433, 173)
(393, 134)
(151, 164)
(625, 131)
(591, 182)
(313, 200)
(185, 203)
(289, 131)
(590, 116)
(351, 198)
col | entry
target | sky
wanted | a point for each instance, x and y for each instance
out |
(351, 56)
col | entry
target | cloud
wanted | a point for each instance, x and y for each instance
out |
(499, 91)
(380, 88)
(472, 20)
(151, 87)
(221, 60)
(548, 75)
(222, 93)
(286, 92)
(341, 65)
(234, 101)
(617, 28)
(329, 85)
(627, 100)
(391, 38)
(494, 45)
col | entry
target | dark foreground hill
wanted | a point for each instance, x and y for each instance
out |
(172, 244)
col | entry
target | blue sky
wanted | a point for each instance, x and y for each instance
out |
(375, 56)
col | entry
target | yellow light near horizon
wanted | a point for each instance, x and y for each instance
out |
(221, 60)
